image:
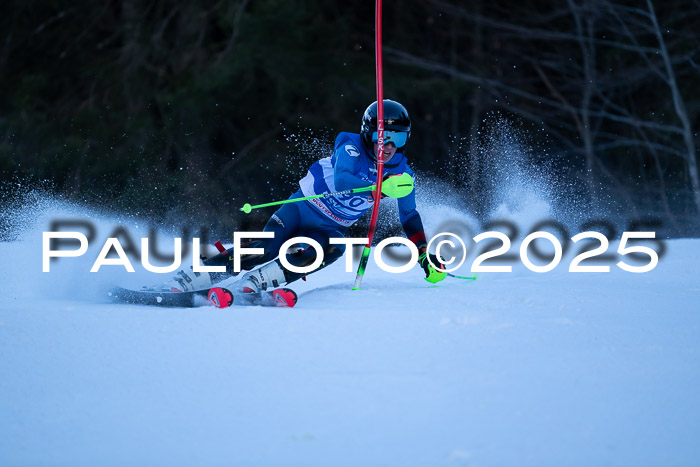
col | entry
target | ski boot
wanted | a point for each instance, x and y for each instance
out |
(263, 286)
(269, 276)
(186, 282)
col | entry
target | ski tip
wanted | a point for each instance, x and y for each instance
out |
(220, 297)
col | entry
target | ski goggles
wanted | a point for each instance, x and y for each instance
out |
(399, 138)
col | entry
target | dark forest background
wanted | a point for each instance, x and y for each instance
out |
(165, 108)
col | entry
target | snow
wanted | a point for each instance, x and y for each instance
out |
(514, 368)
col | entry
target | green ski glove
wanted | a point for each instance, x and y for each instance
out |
(432, 274)
(397, 186)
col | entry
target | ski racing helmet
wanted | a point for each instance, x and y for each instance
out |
(397, 124)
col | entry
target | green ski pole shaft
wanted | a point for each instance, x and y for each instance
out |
(247, 208)
(361, 267)
(472, 277)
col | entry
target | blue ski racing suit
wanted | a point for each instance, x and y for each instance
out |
(351, 166)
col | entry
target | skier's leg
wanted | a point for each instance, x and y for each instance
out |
(282, 224)
(311, 223)
(273, 274)
(307, 256)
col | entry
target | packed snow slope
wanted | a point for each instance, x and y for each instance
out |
(517, 368)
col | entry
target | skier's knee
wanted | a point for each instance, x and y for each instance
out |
(307, 256)
(332, 253)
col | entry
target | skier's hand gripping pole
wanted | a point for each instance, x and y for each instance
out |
(397, 186)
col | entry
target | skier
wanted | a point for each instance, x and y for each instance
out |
(352, 165)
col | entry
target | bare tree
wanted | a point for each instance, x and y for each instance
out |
(600, 70)
(679, 106)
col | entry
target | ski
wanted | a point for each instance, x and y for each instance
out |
(217, 296)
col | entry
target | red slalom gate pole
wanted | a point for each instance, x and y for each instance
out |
(380, 145)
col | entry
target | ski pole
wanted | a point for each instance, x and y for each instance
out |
(472, 277)
(247, 207)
